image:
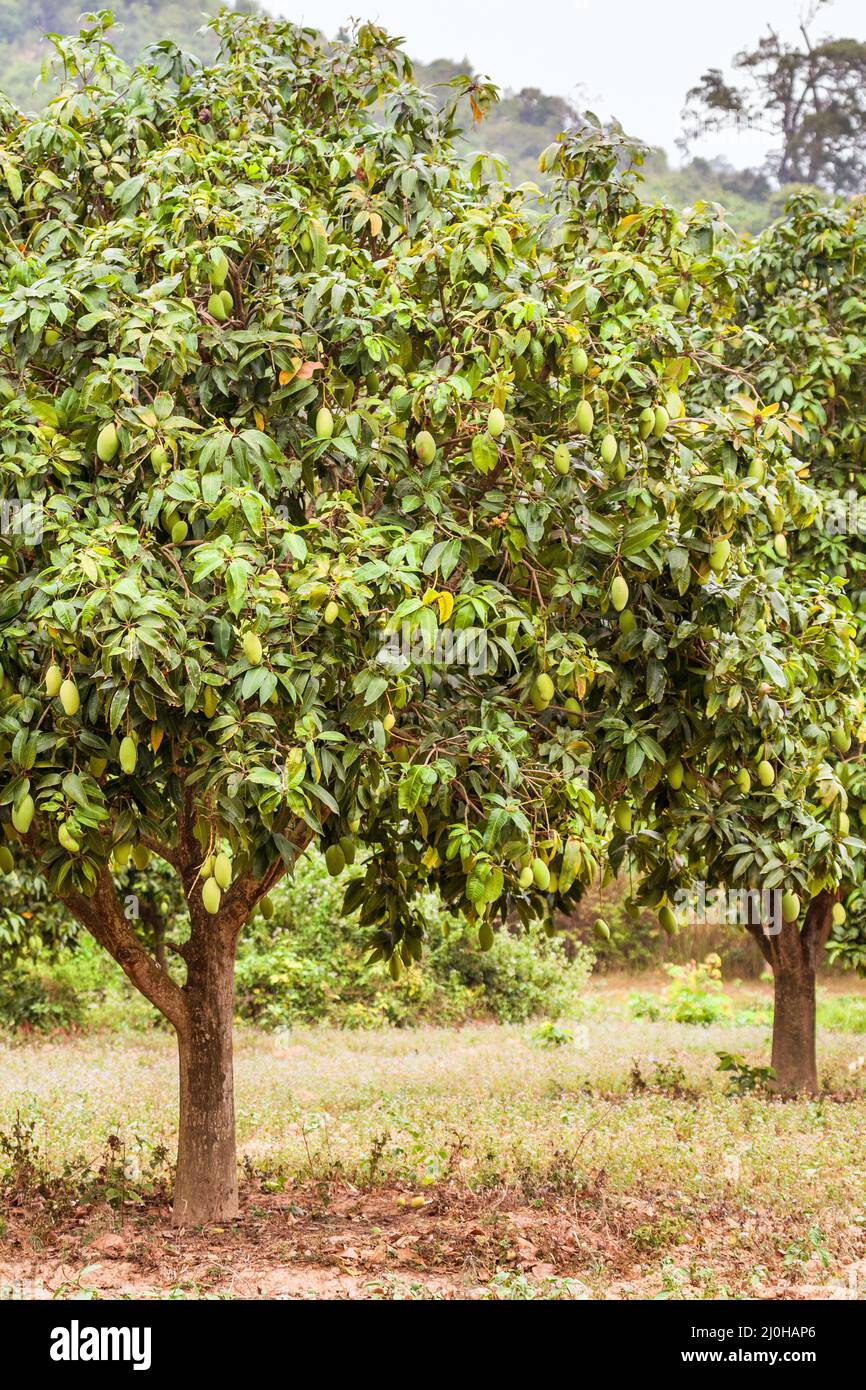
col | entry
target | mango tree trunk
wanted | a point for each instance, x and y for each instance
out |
(206, 1185)
(793, 954)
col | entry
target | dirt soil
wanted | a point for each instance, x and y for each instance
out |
(332, 1241)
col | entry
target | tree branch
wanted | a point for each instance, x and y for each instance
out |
(103, 917)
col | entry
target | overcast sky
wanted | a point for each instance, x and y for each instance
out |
(634, 59)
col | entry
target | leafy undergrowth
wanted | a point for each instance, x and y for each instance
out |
(603, 1157)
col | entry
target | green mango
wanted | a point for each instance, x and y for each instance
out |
(542, 691)
(425, 447)
(618, 593)
(128, 755)
(107, 443)
(335, 860)
(211, 896)
(324, 423)
(23, 813)
(69, 697)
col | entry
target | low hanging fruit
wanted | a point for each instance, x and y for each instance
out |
(211, 896)
(222, 870)
(324, 423)
(661, 420)
(766, 773)
(425, 447)
(332, 612)
(540, 874)
(347, 845)
(335, 860)
(561, 459)
(720, 552)
(107, 443)
(542, 691)
(266, 907)
(67, 840)
(252, 648)
(646, 422)
(584, 417)
(675, 774)
(140, 856)
(579, 361)
(790, 907)
(618, 593)
(53, 680)
(69, 697)
(128, 754)
(743, 781)
(495, 422)
(609, 449)
(23, 813)
(667, 920)
(526, 878)
(601, 928)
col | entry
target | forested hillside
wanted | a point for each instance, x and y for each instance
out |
(518, 127)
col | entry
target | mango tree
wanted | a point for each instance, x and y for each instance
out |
(799, 351)
(356, 499)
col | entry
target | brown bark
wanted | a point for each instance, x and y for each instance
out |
(206, 1184)
(201, 1011)
(793, 954)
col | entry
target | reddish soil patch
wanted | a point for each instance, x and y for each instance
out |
(334, 1241)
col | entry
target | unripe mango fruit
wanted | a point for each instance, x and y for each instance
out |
(839, 914)
(140, 856)
(7, 863)
(495, 422)
(332, 612)
(609, 449)
(211, 896)
(667, 920)
(790, 907)
(719, 552)
(69, 697)
(579, 361)
(252, 648)
(840, 738)
(53, 680)
(661, 420)
(540, 874)
(222, 870)
(211, 701)
(526, 877)
(179, 532)
(266, 908)
(335, 860)
(128, 755)
(766, 773)
(675, 774)
(485, 936)
(67, 839)
(622, 816)
(216, 307)
(23, 813)
(425, 447)
(561, 459)
(618, 593)
(542, 691)
(584, 417)
(601, 928)
(743, 781)
(324, 423)
(646, 422)
(107, 443)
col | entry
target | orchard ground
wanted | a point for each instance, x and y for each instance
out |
(423, 1163)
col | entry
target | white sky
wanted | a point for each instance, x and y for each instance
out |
(634, 59)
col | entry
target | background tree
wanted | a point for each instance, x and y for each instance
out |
(813, 96)
(372, 507)
(801, 341)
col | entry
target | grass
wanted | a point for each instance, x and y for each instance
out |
(495, 1107)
